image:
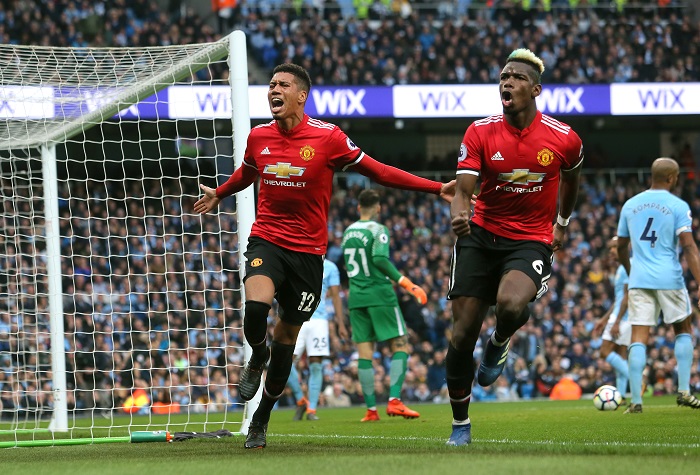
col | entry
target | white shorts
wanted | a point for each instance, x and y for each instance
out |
(313, 338)
(644, 306)
(625, 336)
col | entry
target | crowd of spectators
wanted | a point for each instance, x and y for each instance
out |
(578, 46)
(150, 290)
(100, 23)
(386, 43)
(151, 299)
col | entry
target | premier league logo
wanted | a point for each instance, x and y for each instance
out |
(462, 153)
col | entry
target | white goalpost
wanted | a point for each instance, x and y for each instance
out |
(120, 308)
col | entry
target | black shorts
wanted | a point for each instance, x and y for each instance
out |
(298, 277)
(480, 259)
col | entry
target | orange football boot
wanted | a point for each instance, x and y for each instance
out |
(371, 415)
(397, 408)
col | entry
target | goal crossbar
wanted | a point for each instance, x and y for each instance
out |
(45, 94)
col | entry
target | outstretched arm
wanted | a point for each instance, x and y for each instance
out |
(396, 178)
(241, 179)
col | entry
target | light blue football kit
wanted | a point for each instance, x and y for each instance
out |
(615, 360)
(653, 221)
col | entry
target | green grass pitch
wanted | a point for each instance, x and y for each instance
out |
(538, 437)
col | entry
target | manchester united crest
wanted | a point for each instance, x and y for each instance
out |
(545, 157)
(307, 153)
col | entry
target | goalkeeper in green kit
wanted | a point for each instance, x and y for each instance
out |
(375, 315)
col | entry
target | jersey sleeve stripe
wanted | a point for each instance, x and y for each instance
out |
(319, 124)
(555, 124)
(578, 164)
(251, 166)
(488, 120)
(468, 172)
(684, 229)
(355, 162)
(554, 121)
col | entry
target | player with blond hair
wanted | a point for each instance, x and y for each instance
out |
(527, 162)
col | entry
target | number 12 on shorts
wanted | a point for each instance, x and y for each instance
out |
(307, 302)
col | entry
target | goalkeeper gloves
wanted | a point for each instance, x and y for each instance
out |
(413, 289)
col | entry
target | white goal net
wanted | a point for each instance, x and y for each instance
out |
(120, 308)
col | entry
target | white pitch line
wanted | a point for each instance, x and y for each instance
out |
(497, 441)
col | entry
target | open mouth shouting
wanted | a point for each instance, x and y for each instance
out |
(506, 99)
(276, 104)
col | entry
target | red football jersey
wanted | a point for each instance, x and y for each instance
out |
(519, 173)
(296, 177)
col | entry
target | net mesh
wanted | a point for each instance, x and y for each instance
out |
(50, 94)
(150, 290)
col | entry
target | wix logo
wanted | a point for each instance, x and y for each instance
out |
(339, 102)
(497, 156)
(561, 100)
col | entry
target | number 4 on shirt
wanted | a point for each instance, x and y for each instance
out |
(649, 234)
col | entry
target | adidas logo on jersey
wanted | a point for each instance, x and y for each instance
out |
(266, 151)
(497, 156)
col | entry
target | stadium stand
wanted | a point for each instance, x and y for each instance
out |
(392, 42)
(449, 44)
(557, 341)
(346, 45)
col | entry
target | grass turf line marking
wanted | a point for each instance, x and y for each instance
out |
(495, 441)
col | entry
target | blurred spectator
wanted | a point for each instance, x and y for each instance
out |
(504, 390)
(566, 389)
(335, 396)
(226, 13)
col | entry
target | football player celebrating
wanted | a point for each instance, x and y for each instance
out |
(525, 161)
(295, 157)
